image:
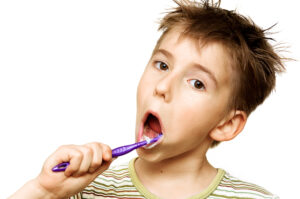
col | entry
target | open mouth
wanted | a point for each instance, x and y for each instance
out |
(151, 129)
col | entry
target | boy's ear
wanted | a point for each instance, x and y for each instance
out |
(230, 126)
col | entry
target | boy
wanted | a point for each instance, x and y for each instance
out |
(209, 70)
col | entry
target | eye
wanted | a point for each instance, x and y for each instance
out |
(197, 84)
(161, 65)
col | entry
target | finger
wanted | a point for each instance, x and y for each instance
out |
(86, 161)
(60, 155)
(65, 153)
(97, 156)
(75, 159)
(91, 176)
(107, 159)
(106, 153)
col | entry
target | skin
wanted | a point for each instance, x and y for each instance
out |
(192, 105)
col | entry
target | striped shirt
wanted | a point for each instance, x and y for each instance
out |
(120, 182)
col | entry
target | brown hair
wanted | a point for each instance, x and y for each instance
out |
(253, 58)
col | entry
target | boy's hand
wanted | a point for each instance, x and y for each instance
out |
(86, 163)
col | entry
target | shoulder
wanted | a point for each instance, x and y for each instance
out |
(233, 187)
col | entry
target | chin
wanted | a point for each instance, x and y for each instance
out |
(152, 156)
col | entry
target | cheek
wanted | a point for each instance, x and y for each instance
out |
(144, 93)
(145, 87)
(198, 115)
(195, 120)
(141, 87)
(141, 92)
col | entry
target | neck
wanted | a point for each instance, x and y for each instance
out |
(192, 172)
(176, 167)
(193, 163)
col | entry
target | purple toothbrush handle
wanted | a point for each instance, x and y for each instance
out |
(126, 149)
(61, 167)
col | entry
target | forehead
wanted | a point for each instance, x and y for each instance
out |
(187, 50)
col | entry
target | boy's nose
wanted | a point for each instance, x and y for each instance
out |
(164, 88)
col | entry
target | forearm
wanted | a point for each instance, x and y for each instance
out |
(32, 190)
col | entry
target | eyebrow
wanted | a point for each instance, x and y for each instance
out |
(164, 52)
(197, 65)
(207, 71)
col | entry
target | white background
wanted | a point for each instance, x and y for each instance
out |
(69, 71)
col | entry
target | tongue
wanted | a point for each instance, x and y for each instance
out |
(154, 124)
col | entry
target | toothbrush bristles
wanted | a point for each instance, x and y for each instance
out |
(148, 140)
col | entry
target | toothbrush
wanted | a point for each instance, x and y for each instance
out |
(122, 150)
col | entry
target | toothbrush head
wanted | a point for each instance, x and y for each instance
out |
(150, 141)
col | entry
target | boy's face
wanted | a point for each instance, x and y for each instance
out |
(188, 89)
